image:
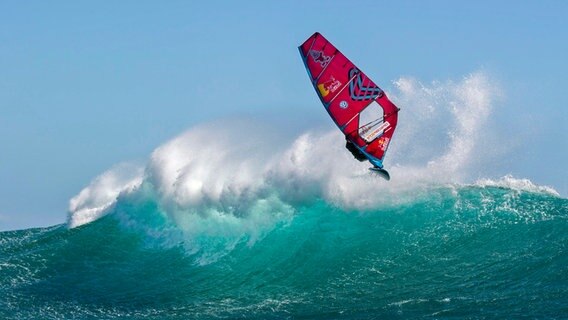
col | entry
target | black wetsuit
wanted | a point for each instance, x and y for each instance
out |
(354, 151)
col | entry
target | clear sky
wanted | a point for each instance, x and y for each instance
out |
(86, 85)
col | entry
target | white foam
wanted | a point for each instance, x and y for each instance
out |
(93, 201)
(510, 182)
(216, 177)
(443, 125)
(211, 164)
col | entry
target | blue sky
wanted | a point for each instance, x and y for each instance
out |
(86, 85)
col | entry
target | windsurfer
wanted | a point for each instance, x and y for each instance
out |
(355, 151)
(360, 109)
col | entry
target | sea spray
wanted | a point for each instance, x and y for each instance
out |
(224, 167)
(227, 182)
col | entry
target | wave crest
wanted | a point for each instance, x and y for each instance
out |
(97, 198)
(225, 173)
(509, 182)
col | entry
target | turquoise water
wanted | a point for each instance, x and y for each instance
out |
(471, 252)
(238, 219)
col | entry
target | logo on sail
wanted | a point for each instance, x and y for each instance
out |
(331, 85)
(371, 132)
(383, 143)
(320, 58)
(360, 90)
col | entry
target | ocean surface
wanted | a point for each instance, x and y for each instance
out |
(467, 252)
(254, 225)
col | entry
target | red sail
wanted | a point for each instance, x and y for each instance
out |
(355, 103)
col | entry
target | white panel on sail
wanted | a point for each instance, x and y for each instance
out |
(371, 122)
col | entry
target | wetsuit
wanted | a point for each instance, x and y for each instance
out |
(354, 151)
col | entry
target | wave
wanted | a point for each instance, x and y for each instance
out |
(454, 250)
(234, 219)
(225, 181)
(97, 198)
(509, 182)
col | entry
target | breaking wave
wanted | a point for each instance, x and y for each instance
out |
(233, 219)
(229, 179)
(226, 167)
(226, 181)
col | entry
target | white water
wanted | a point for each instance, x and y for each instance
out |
(95, 199)
(224, 170)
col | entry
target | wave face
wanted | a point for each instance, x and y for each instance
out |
(452, 252)
(234, 220)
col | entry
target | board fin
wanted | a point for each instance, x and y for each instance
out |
(382, 172)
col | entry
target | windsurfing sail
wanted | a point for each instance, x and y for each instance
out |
(360, 109)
